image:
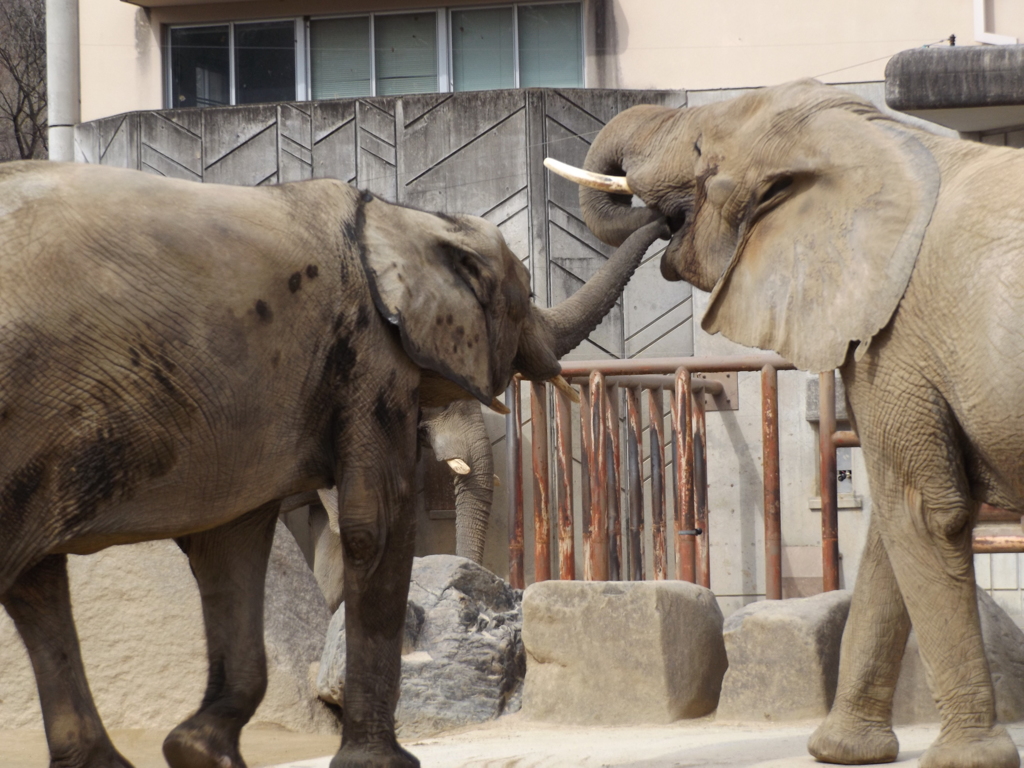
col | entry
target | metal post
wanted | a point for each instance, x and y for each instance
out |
(657, 436)
(772, 487)
(63, 78)
(514, 472)
(596, 566)
(683, 426)
(563, 486)
(702, 541)
(614, 488)
(635, 472)
(541, 495)
(829, 489)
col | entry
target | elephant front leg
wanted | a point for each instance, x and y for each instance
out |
(230, 567)
(39, 602)
(377, 524)
(858, 728)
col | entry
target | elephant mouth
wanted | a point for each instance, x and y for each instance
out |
(678, 224)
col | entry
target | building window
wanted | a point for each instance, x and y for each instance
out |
(380, 54)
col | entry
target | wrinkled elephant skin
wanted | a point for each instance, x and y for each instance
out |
(842, 238)
(176, 358)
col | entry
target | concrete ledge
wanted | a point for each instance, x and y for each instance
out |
(621, 652)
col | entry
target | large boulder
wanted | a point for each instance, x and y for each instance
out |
(783, 658)
(1004, 647)
(140, 625)
(462, 655)
(621, 652)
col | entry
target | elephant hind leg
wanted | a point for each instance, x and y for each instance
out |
(39, 603)
(858, 728)
(230, 567)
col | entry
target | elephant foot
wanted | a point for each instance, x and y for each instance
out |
(375, 755)
(853, 741)
(987, 748)
(102, 755)
(201, 746)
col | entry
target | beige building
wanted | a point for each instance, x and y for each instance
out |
(132, 54)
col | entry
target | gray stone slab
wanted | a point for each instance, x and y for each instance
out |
(621, 652)
(783, 658)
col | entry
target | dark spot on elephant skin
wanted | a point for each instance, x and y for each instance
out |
(166, 364)
(367, 196)
(5, 414)
(263, 311)
(134, 354)
(362, 317)
(295, 282)
(449, 320)
(19, 490)
(390, 417)
(162, 379)
(341, 359)
(360, 547)
(275, 359)
(312, 271)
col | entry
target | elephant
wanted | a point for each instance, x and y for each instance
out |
(456, 435)
(177, 358)
(841, 237)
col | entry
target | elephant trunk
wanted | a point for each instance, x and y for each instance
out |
(570, 322)
(474, 494)
(618, 149)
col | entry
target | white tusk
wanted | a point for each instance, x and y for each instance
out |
(458, 466)
(497, 482)
(614, 184)
(565, 388)
(499, 407)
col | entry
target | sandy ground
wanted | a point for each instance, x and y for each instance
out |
(513, 742)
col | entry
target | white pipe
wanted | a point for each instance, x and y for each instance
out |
(63, 87)
(981, 33)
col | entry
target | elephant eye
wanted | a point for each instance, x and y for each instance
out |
(781, 183)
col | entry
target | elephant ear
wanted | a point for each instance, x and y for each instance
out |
(433, 288)
(826, 266)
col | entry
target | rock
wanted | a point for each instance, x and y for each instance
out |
(621, 652)
(783, 658)
(140, 625)
(1004, 647)
(462, 656)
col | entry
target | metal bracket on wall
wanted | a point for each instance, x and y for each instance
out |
(728, 399)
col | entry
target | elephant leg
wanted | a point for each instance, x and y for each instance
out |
(858, 728)
(377, 524)
(930, 550)
(39, 603)
(230, 567)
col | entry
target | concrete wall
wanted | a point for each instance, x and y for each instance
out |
(635, 44)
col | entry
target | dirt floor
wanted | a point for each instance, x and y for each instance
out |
(513, 742)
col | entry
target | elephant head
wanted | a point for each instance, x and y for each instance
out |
(806, 248)
(461, 299)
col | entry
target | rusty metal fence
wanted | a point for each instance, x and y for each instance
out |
(613, 536)
(611, 508)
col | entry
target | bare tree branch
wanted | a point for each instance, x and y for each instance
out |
(22, 79)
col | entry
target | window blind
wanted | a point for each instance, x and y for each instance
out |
(340, 57)
(482, 49)
(406, 53)
(549, 46)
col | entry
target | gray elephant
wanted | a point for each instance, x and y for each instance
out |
(456, 435)
(840, 237)
(176, 358)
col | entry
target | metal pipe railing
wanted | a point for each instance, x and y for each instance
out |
(611, 551)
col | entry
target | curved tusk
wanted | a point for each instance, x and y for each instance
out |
(565, 388)
(614, 184)
(499, 407)
(458, 466)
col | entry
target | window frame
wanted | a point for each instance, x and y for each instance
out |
(303, 53)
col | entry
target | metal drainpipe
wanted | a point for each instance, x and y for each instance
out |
(64, 102)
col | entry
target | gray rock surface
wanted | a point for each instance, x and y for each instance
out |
(783, 658)
(141, 630)
(462, 659)
(1004, 647)
(621, 652)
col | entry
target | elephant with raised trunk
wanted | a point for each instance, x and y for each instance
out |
(842, 238)
(176, 358)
